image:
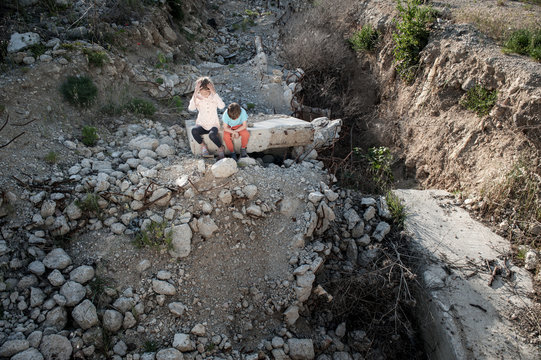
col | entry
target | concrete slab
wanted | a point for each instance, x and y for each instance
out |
(266, 132)
(461, 315)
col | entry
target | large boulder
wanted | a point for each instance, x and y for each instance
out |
(20, 42)
(85, 314)
(56, 347)
(224, 168)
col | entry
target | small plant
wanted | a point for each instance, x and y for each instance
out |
(150, 346)
(411, 36)
(51, 157)
(154, 235)
(521, 254)
(479, 100)
(379, 161)
(159, 81)
(90, 136)
(177, 102)
(250, 106)
(231, 66)
(524, 42)
(162, 61)
(37, 50)
(89, 204)
(79, 90)
(95, 58)
(364, 40)
(397, 209)
(141, 107)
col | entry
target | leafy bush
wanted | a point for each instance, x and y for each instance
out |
(95, 58)
(250, 106)
(141, 107)
(79, 90)
(364, 40)
(154, 235)
(411, 36)
(479, 100)
(380, 160)
(90, 135)
(524, 42)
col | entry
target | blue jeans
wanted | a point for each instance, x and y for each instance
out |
(198, 131)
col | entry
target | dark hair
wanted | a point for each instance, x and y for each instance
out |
(204, 84)
(233, 110)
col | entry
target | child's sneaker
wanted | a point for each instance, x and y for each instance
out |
(234, 156)
(243, 153)
(204, 151)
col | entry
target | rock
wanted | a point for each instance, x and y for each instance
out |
(112, 320)
(34, 339)
(56, 347)
(183, 343)
(330, 195)
(315, 197)
(20, 42)
(57, 259)
(80, 32)
(225, 196)
(73, 212)
(291, 315)
(143, 142)
(56, 278)
(169, 354)
(37, 296)
(254, 211)
(340, 330)
(381, 230)
(47, 208)
(206, 226)
(73, 292)
(27, 281)
(341, 355)
(177, 308)
(129, 320)
(163, 287)
(207, 208)
(29, 354)
(82, 274)
(369, 213)
(143, 265)
(198, 330)
(326, 215)
(144, 153)
(383, 209)
(12, 347)
(36, 267)
(224, 168)
(60, 226)
(530, 260)
(163, 194)
(352, 218)
(247, 161)
(124, 304)
(301, 349)
(250, 191)
(358, 230)
(352, 251)
(118, 228)
(181, 241)
(120, 348)
(85, 314)
(165, 150)
(57, 318)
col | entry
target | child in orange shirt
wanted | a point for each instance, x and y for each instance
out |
(235, 126)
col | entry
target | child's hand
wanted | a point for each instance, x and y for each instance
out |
(235, 135)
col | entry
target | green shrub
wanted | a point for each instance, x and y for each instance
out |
(380, 160)
(95, 58)
(411, 36)
(250, 106)
(154, 235)
(141, 107)
(51, 157)
(90, 135)
(479, 100)
(364, 40)
(79, 90)
(89, 204)
(524, 42)
(396, 208)
(37, 50)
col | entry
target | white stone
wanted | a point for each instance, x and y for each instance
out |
(199, 330)
(250, 191)
(225, 196)
(112, 320)
(20, 42)
(73, 292)
(291, 314)
(82, 274)
(182, 342)
(206, 226)
(163, 287)
(381, 230)
(85, 314)
(165, 150)
(181, 241)
(530, 260)
(315, 197)
(169, 354)
(57, 259)
(224, 168)
(177, 308)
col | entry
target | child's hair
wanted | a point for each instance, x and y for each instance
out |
(233, 110)
(204, 84)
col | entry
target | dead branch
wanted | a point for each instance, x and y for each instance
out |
(13, 139)
(24, 124)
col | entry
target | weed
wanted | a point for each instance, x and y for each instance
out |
(112, 109)
(97, 288)
(79, 90)
(210, 347)
(364, 40)
(159, 81)
(397, 209)
(89, 204)
(141, 107)
(150, 346)
(89, 135)
(177, 102)
(521, 254)
(95, 58)
(51, 157)
(37, 50)
(231, 66)
(479, 100)
(154, 235)
(250, 106)
(162, 62)
(524, 42)
(411, 36)
(379, 161)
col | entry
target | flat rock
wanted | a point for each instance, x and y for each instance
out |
(163, 287)
(57, 259)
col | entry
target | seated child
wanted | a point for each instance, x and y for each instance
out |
(234, 126)
(205, 100)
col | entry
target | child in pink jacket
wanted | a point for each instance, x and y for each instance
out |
(206, 101)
